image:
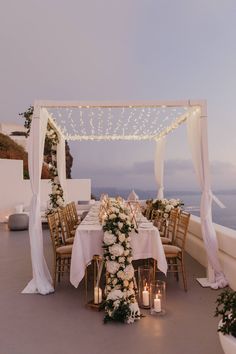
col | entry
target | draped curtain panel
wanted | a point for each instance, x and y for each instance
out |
(61, 166)
(159, 166)
(41, 281)
(198, 142)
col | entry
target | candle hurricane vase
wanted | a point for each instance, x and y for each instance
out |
(94, 295)
(145, 277)
(158, 297)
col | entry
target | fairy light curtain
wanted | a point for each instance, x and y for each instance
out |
(118, 123)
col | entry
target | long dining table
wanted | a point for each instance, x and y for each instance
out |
(88, 242)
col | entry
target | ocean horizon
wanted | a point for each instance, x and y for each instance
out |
(191, 199)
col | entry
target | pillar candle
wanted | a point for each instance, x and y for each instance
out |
(145, 297)
(157, 304)
(97, 295)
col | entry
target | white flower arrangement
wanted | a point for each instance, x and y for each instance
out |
(120, 304)
(165, 205)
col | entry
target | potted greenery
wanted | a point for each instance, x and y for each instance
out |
(226, 308)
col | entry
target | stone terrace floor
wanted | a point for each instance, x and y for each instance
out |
(60, 323)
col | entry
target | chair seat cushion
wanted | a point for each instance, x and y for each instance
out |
(69, 240)
(170, 249)
(165, 240)
(64, 250)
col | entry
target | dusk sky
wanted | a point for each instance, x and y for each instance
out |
(126, 50)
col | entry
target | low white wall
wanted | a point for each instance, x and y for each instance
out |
(15, 190)
(227, 247)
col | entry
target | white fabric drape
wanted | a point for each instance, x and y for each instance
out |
(197, 137)
(41, 282)
(159, 166)
(61, 165)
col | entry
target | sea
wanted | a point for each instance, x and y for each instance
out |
(191, 200)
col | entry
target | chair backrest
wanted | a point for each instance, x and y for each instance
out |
(73, 212)
(54, 230)
(65, 229)
(172, 223)
(182, 229)
(148, 213)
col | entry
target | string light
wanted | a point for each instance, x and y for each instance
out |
(119, 123)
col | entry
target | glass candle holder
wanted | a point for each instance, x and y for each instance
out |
(145, 277)
(94, 293)
(158, 297)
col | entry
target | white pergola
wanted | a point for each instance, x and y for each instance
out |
(141, 120)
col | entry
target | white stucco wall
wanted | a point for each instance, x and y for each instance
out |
(227, 248)
(14, 190)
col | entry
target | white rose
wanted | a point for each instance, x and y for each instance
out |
(122, 237)
(114, 281)
(126, 252)
(121, 259)
(112, 267)
(112, 216)
(129, 272)
(108, 238)
(126, 283)
(115, 210)
(116, 250)
(120, 225)
(131, 285)
(115, 295)
(168, 208)
(116, 303)
(122, 216)
(121, 274)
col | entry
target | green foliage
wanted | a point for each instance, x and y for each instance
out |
(119, 314)
(27, 115)
(226, 308)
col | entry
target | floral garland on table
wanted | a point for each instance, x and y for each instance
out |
(56, 197)
(120, 304)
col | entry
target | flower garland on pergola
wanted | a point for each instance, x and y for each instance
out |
(56, 198)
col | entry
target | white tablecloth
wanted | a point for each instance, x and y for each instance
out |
(88, 242)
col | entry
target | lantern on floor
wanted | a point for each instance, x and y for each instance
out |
(158, 297)
(93, 289)
(145, 278)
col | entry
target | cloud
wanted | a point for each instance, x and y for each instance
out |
(179, 175)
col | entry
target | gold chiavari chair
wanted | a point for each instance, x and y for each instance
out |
(68, 236)
(73, 213)
(70, 220)
(160, 222)
(175, 253)
(62, 253)
(170, 227)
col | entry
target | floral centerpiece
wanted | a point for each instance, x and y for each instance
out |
(120, 304)
(164, 205)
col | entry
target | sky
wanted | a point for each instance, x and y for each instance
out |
(126, 50)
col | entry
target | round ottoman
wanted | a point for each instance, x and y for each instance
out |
(17, 222)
